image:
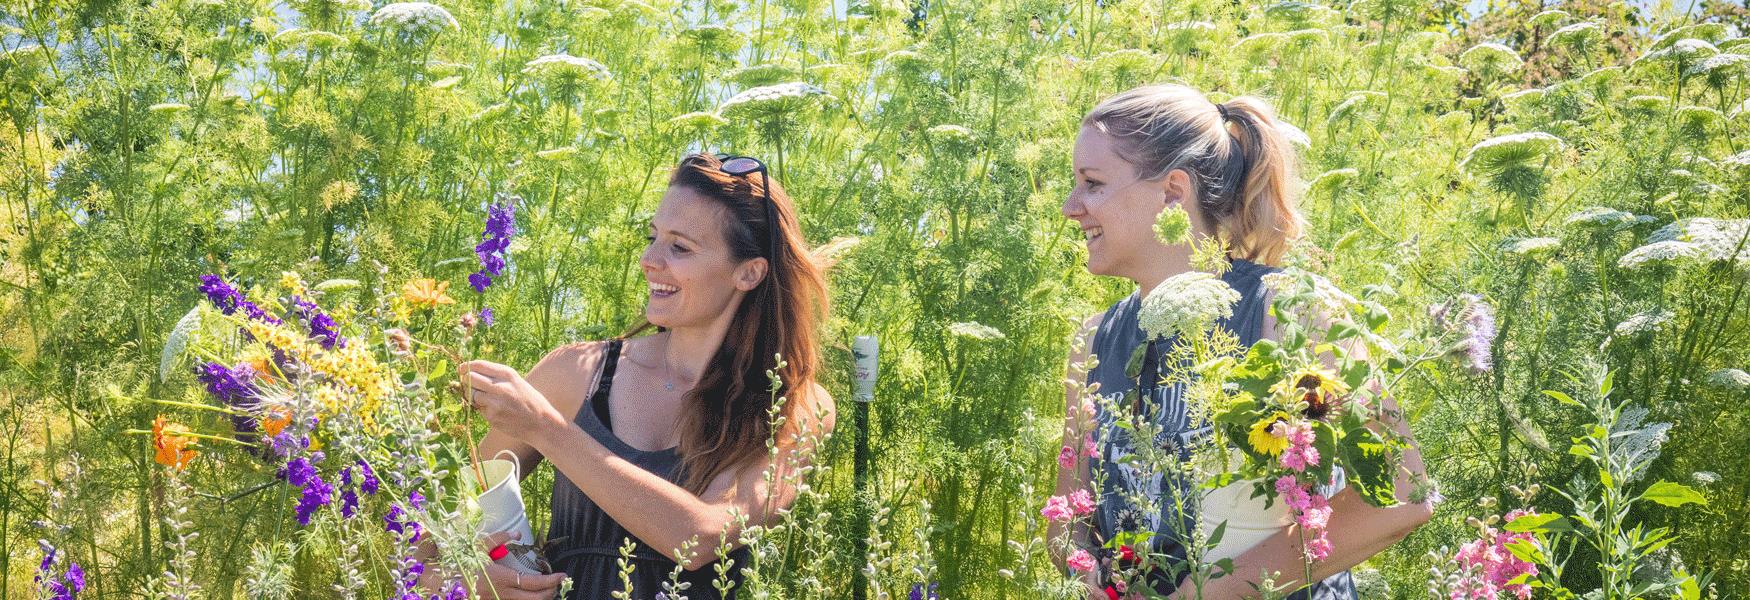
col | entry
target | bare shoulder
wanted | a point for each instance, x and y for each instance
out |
(817, 406)
(566, 375)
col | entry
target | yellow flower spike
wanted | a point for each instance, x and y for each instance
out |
(293, 283)
(1261, 438)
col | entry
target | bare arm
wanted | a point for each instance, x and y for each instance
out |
(666, 515)
(1077, 424)
(562, 376)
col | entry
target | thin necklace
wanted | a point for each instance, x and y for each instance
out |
(668, 384)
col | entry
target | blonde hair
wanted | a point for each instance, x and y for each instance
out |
(1241, 165)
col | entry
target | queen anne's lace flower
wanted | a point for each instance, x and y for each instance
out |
(566, 66)
(1711, 239)
(1658, 252)
(1577, 35)
(771, 100)
(1187, 302)
(1531, 246)
(1730, 379)
(1599, 216)
(975, 331)
(415, 18)
(1645, 322)
(1683, 51)
(1501, 152)
(1490, 55)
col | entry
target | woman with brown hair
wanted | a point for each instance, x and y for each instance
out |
(1231, 167)
(661, 438)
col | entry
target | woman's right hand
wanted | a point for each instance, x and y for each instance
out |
(498, 582)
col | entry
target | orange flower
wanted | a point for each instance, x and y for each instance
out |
(172, 448)
(427, 293)
(274, 424)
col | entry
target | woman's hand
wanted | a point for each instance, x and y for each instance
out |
(509, 403)
(500, 582)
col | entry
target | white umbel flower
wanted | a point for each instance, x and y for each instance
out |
(974, 330)
(770, 100)
(1645, 322)
(1684, 51)
(1577, 35)
(1658, 252)
(1713, 239)
(1187, 302)
(1501, 152)
(1729, 379)
(1740, 160)
(1490, 56)
(1599, 216)
(1531, 246)
(415, 18)
(566, 66)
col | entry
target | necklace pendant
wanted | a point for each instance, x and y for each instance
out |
(668, 385)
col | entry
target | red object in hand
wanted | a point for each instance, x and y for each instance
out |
(1126, 555)
(497, 553)
(1112, 593)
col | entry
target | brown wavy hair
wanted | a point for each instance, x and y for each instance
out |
(724, 422)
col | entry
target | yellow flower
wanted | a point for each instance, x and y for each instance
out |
(171, 448)
(426, 293)
(293, 283)
(1265, 442)
(1318, 388)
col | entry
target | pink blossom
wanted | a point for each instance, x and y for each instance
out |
(1311, 511)
(1089, 449)
(1066, 457)
(1081, 503)
(1081, 561)
(1300, 453)
(1491, 565)
(1056, 509)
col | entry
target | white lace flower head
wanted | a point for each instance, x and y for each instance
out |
(1187, 302)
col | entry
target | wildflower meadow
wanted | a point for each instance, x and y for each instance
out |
(245, 245)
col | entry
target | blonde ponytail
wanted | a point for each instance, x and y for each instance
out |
(1240, 162)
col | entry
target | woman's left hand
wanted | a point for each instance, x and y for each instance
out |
(508, 402)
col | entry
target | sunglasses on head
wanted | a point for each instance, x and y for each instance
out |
(746, 166)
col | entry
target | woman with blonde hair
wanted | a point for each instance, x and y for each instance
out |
(1231, 167)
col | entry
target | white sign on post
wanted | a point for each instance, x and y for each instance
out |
(866, 352)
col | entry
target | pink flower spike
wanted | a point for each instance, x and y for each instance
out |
(1066, 457)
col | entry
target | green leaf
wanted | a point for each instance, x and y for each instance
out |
(1673, 494)
(1562, 398)
(1215, 536)
(1539, 523)
(1525, 550)
(1363, 456)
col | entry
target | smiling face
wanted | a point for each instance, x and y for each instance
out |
(1116, 211)
(694, 279)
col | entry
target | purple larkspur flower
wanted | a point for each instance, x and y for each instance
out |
(234, 388)
(317, 494)
(399, 520)
(218, 292)
(486, 316)
(349, 503)
(456, 591)
(494, 242)
(1479, 320)
(368, 478)
(76, 577)
(229, 300)
(322, 329)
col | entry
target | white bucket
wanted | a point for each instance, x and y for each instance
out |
(501, 504)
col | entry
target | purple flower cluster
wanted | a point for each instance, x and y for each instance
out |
(368, 483)
(64, 587)
(400, 520)
(301, 472)
(918, 592)
(228, 299)
(322, 327)
(1473, 319)
(234, 388)
(495, 242)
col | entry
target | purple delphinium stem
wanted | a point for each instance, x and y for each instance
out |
(494, 242)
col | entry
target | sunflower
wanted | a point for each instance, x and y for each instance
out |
(1318, 388)
(427, 293)
(1263, 439)
(171, 447)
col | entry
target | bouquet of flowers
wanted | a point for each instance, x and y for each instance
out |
(350, 408)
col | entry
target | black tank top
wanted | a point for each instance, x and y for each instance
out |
(585, 541)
